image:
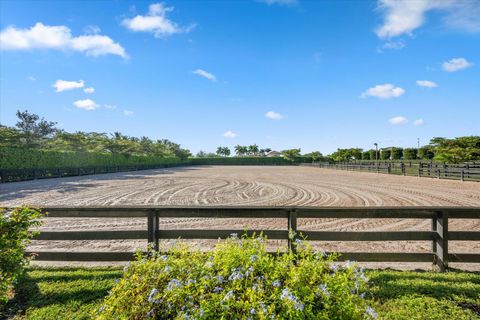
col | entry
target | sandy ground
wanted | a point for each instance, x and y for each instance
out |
(248, 185)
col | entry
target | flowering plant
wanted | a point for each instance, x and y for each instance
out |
(239, 279)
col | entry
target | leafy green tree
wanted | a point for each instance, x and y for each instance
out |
(410, 154)
(201, 154)
(366, 155)
(461, 149)
(374, 154)
(347, 154)
(385, 154)
(426, 153)
(315, 155)
(34, 130)
(396, 153)
(10, 137)
(291, 154)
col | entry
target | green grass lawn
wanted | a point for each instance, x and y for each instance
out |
(72, 293)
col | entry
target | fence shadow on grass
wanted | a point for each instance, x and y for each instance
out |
(40, 288)
(451, 285)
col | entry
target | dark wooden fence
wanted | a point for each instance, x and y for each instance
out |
(462, 172)
(439, 235)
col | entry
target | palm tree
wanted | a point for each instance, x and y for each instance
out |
(291, 154)
(241, 150)
(253, 150)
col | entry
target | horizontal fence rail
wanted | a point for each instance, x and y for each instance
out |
(439, 235)
(461, 172)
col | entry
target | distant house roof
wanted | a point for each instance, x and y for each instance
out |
(274, 154)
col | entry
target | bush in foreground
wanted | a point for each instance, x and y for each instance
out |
(237, 280)
(14, 237)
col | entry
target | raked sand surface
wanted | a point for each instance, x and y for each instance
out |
(249, 186)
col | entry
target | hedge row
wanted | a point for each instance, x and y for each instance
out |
(19, 158)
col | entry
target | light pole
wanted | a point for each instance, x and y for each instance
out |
(376, 155)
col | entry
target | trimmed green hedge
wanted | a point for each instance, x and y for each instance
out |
(19, 158)
(239, 161)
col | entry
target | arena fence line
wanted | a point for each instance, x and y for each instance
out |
(461, 172)
(439, 234)
(12, 175)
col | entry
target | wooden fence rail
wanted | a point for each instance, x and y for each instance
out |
(439, 235)
(461, 172)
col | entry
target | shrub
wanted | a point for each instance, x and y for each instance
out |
(23, 158)
(14, 237)
(237, 280)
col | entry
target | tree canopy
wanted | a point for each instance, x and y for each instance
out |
(31, 131)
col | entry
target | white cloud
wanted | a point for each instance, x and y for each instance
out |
(418, 122)
(109, 106)
(402, 17)
(398, 120)
(86, 104)
(92, 29)
(426, 84)
(280, 2)
(230, 134)
(41, 36)
(156, 22)
(128, 113)
(63, 85)
(392, 45)
(89, 90)
(464, 16)
(383, 91)
(274, 115)
(456, 64)
(31, 78)
(205, 74)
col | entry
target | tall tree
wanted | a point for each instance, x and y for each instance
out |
(34, 130)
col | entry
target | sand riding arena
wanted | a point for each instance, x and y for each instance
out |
(246, 186)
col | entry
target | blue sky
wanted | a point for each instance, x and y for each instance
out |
(279, 73)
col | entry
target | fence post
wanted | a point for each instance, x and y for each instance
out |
(152, 228)
(462, 175)
(292, 229)
(440, 243)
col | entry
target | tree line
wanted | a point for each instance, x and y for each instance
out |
(34, 132)
(460, 149)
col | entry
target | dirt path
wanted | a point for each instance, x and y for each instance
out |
(247, 185)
